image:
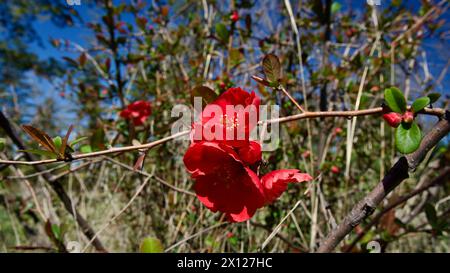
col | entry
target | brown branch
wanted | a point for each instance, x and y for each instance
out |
(53, 183)
(354, 113)
(100, 153)
(441, 178)
(306, 115)
(398, 173)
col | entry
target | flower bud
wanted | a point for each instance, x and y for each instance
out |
(393, 119)
(408, 117)
(335, 169)
(234, 16)
(337, 131)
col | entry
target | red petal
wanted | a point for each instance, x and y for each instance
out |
(212, 118)
(275, 182)
(139, 120)
(222, 182)
(251, 153)
(207, 157)
(238, 197)
(235, 96)
(125, 113)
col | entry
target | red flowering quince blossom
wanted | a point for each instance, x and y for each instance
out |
(225, 183)
(222, 181)
(223, 170)
(276, 182)
(229, 119)
(137, 111)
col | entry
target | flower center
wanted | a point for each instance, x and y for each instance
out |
(230, 122)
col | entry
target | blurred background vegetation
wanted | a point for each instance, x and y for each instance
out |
(64, 64)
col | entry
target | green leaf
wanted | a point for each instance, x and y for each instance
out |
(272, 68)
(335, 7)
(39, 152)
(395, 99)
(86, 149)
(407, 137)
(420, 103)
(58, 142)
(2, 144)
(233, 240)
(151, 245)
(222, 32)
(207, 94)
(434, 97)
(56, 231)
(78, 140)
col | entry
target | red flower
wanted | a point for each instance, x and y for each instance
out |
(222, 167)
(222, 182)
(138, 111)
(234, 16)
(275, 182)
(229, 119)
(225, 183)
(393, 119)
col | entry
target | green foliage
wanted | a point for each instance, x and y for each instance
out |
(395, 100)
(86, 149)
(407, 137)
(222, 32)
(336, 7)
(151, 245)
(434, 97)
(420, 103)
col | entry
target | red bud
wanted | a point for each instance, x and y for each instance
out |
(234, 16)
(335, 169)
(408, 117)
(393, 119)
(338, 130)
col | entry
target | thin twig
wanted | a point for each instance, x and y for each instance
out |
(278, 227)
